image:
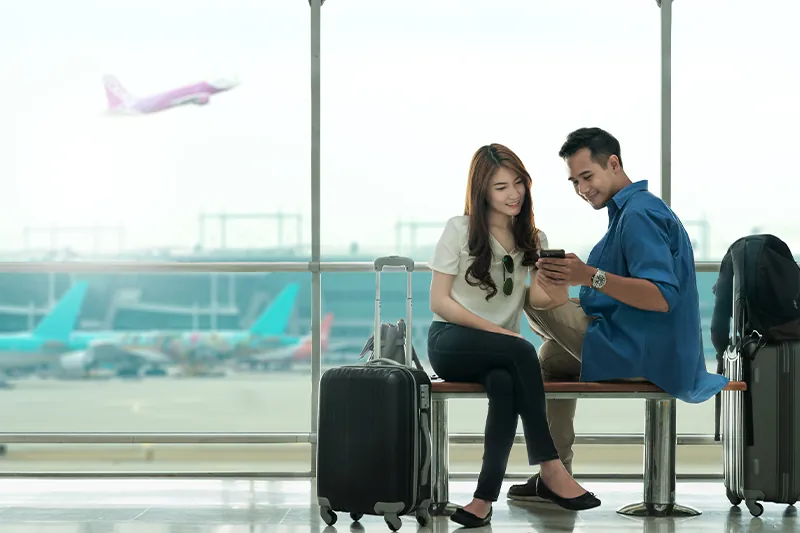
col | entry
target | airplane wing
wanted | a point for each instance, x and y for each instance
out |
(339, 345)
(281, 354)
(197, 98)
(289, 353)
(107, 353)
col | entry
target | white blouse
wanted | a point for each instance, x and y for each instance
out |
(451, 256)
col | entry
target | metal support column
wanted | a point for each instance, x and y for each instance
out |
(660, 442)
(213, 300)
(316, 274)
(666, 100)
(440, 462)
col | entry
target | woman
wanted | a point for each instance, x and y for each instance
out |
(480, 268)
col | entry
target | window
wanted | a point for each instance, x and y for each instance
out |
(407, 99)
(349, 297)
(408, 96)
(735, 110)
(157, 353)
(217, 169)
(124, 134)
(155, 126)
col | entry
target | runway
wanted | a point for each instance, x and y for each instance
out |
(268, 402)
(273, 402)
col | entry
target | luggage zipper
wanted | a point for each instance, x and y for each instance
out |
(785, 420)
(415, 446)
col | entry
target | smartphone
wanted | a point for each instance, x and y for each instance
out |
(559, 254)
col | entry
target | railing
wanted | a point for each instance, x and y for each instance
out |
(256, 438)
(144, 267)
(614, 439)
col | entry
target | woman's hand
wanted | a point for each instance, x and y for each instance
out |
(545, 294)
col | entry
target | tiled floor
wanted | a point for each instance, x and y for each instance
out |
(233, 506)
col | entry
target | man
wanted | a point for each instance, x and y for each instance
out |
(639, 315)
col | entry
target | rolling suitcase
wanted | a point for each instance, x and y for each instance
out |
(761, 427)
(373, 436)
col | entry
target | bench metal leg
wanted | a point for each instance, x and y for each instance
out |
(440, 462)
(660, 442)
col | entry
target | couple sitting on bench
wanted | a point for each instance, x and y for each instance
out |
(638, 316)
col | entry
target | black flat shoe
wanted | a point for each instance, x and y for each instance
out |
(585, 501)
(469, 520)
(526, 492)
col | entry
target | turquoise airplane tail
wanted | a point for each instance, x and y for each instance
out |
(62, 319)
(275, 318)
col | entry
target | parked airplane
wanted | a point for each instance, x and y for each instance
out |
(283, 358)
(44, 344)
(269, 328)
(120, 101)
(133, 351)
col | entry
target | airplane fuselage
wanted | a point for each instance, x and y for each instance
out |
(22, 359)
(198, 94)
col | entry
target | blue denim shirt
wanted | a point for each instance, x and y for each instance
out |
(646, 240)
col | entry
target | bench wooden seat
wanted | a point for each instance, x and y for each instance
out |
(616, 387)
(660, 438)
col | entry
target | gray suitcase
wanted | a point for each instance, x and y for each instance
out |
(761, 427)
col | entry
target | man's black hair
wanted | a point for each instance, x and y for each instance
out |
(600, 143)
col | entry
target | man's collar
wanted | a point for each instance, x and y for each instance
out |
(619, 200)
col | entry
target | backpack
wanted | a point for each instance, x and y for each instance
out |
(768, 294)
(393, 339)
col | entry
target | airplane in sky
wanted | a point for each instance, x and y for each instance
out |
(44, 344)
(133, 351)
(120, 101)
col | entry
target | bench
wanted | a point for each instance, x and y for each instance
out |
(660, 438)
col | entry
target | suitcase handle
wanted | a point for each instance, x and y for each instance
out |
(394, 261)
(384, 361)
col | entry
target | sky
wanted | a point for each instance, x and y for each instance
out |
(409, 91)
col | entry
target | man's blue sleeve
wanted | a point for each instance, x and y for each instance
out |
(646, 245)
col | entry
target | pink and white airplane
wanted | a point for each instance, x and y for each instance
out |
(121, 101)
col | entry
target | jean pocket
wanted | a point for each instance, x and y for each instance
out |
(441, 330)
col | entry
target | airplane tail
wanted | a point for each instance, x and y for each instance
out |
(325, 330)
(118, 97)
(304, 350)
(60, 322)
(275, 318)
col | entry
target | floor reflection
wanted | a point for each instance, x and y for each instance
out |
(259, 506)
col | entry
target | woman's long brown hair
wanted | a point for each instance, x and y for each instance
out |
(485, 163)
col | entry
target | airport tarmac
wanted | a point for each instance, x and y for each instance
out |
(268, 402)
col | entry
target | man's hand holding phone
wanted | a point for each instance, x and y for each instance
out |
(560, 268)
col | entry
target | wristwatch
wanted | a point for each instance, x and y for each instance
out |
(599, 279)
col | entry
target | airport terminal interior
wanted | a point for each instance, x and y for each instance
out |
(196, 192)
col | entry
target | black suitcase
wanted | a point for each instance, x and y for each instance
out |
(373, 436)
(761, 427)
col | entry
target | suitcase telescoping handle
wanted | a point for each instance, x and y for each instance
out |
(393, 261)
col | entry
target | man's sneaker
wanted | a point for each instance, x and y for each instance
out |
(526, 492)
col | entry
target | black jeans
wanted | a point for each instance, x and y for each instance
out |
(508, 368)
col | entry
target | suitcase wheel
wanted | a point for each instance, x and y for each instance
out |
(393, 521)
(423, 517)
(328, 516)
(754, 507)
(356, 516)
(733, 498)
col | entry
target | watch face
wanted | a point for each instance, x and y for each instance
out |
(599, 279)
